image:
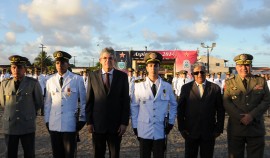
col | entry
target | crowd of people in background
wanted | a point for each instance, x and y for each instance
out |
(106, 99)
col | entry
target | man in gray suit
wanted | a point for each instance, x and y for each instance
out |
(21, 97)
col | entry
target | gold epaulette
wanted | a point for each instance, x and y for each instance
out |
(139, 80)
(231, 77)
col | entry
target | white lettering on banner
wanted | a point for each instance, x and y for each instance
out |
(137, 54)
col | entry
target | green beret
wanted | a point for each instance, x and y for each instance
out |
(153, 57)
(183, 72)
(61, 55)
(243, 59)
(18, 60)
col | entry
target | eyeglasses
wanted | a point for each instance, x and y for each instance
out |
(107, 58)
(197, 72)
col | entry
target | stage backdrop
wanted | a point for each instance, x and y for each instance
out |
(183, 59)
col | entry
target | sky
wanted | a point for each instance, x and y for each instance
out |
(83, 27)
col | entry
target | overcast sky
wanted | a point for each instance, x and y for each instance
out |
(84, 27)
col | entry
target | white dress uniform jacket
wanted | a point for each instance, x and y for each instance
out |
(61, 103)
(42, 81)
(219, 81)
(131, 82)
(179, 83)
(148, 112)
(85, 81)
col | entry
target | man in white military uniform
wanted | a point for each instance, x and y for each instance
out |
(85, 79)
(5, 75)
(218, 81)
(42, 81)
(63, 90)
(180, 82)
(131, 81)
(151, 100)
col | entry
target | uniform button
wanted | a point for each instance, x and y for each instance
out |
(247, 104)
(18, 118)
(154, 116)
(61, 112)
(154, 109)
(61, 105)
(17, 110)
(246, 96)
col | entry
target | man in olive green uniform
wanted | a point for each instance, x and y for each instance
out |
(246, 99)
(21, 97)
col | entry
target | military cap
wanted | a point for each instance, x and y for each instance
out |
(18, 60)
(228, 73)
(130, 69)
(37, 69)
(243, 59)
(183, 72)
(218, 73)
(153, 57)
(61, 55)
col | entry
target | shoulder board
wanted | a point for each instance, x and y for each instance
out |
(139, 80)
(6, 79)
(231, 77)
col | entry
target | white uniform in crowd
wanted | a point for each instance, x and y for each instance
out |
(42, 81)
(61, 103)
(131, 82)
(4, 76)
(148, 112)
(180, 82)
(174, 83)
(85, 81)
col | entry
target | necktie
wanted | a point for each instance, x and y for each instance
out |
(107, 82)
(201, 89)
(184, 81)
(61, 81)
(17, 84)
(245, 83)
(154, 90)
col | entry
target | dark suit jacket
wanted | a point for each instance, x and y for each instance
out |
(20, 106)
(201, 117)
(107, 111)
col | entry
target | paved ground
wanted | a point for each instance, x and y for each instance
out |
(130, 144)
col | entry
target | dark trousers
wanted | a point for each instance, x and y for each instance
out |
(253, 145)
(149, 145)
(63, 144)
(99, 145)
(27, 141)
(206, 147)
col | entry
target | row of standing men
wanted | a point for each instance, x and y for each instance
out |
(106, 105)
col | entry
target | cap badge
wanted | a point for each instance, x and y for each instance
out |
(15, 59)
(243, 57)
(59, 55)
(153, 56)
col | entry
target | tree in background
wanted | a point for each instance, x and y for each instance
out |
(43, 61)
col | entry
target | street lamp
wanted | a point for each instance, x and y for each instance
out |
(208, 47)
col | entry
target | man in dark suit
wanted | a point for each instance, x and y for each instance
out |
(246, 99)
(200, 114)
(108, 105)
(21, 97)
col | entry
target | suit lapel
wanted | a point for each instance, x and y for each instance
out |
(67, 80)
(98, 76)
(251, 83)
(159, 89)
(22, 85)
(195, 90)
(240, 84)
